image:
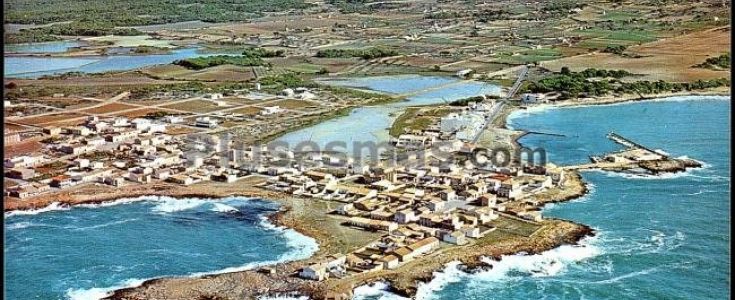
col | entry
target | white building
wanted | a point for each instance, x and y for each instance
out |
(269, 110)
(532, 98)
(206, 122)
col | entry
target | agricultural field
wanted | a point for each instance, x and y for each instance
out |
(45, 119)
(108, 108)
(247, 110)
(23, 148)
(669, 59)
(180, 129)
(294, 104)
(139, 113)
(195, 106)
(10, 127)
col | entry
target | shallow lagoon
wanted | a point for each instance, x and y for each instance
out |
(371, 124)
(33, 67)
(46, 47)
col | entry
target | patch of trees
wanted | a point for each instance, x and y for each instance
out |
(487, 15)
(581, 84)
(198, 63)
(443, 15)
(616, 49)
(27, 36)
(261, 52)
(144, 91)
(50, 33)
(465, 101)
(369, 53)
(142, 12)
(719, 62)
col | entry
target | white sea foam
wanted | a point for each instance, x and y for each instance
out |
(301, 247)
(169, 205)
(223, 208)
(530, 111)
(99, 293)
(643, 175)
(115, 202)
(285, 297)
(56, 206)
(165, 204)
(19, 225)
(510, 267)
(377, 290)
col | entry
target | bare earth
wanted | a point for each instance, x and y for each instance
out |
(666, 59)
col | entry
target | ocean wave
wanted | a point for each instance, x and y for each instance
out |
(700, 192)
(654, 243)
(99, 293)
(642, 176)
(511, 267)
(377, 290)
(164, 204)
(173, 205)
(115, 202)
(55, 206)
(284, 297)
(103, 225)
(301, 247)
(21, 225)
(223, 208)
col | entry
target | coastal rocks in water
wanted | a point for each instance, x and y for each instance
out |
(669, 165)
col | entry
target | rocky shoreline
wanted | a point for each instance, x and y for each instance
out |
(403, 281)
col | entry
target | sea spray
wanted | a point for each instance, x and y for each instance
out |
(99, 293)
(376, 290)
(510, 267)
(55, 206)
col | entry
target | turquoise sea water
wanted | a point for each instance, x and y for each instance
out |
(85, 251)
(658, 238)
(33, 67)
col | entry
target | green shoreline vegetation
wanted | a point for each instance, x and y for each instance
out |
(595, 82)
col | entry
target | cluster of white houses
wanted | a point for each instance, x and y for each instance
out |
(113, 151)
(416, 208)
(457, 127)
